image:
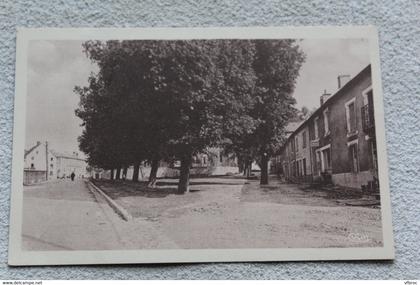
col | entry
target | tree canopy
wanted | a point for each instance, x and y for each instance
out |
(154, 100)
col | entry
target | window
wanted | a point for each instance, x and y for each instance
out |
(51, 165)
(51, 173)
(299, 167)
(32, 165)
(304, 139)
(297, 143)
(374, 154)
(354, 158)
(318, 162)
(32, 158)
(368, 119)
(316, 128)
(304, 166)
(52, 158)
(326, 160)
(220, 158)
(351, 116)
(326, 121)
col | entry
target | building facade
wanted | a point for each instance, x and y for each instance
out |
(68, 164)
(337, 142)
(42, 163)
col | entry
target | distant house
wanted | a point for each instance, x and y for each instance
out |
(337, 142)
(68, 163)
(41, 164)
(278, 160)
(215, 162)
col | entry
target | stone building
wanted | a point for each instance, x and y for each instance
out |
(40, 164)
(337, 142)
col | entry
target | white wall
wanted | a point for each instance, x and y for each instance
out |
(37, 158)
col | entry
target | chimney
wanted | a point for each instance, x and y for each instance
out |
(324, 97)
(342, 80)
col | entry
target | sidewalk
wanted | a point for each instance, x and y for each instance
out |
(64, 215)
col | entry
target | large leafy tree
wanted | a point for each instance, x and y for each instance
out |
(207, 85)
(276, 65)
(155, 100)
(108, 112)
(95, 140)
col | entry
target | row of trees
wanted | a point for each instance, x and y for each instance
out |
(166, 100)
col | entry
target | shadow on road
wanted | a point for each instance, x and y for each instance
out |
(120, 189)
(195, 183)
(164, 187)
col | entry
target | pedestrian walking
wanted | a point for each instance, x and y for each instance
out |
(72, 176)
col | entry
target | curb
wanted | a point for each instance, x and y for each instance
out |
(117, 208)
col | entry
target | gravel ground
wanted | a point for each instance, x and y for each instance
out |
(229, 212)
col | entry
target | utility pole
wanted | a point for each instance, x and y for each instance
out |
(46, 159)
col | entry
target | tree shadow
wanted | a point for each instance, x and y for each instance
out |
(196, 183)
(120, 189)
(126, 188)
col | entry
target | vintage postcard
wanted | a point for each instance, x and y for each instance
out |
(171, 145)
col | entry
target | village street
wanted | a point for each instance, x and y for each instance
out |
(65, 215)
(218, 212)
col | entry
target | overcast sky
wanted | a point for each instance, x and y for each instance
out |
(325, 60)
(55, 67)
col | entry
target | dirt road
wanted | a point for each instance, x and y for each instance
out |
(233, 213)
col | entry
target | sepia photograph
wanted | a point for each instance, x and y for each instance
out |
(198, 145)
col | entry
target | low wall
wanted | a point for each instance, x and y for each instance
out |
(352, 180)
(174, 172)
(31, 176)
(218, 170)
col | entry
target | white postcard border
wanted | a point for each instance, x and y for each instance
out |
(19, 257)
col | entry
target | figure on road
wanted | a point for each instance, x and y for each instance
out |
(72, 176)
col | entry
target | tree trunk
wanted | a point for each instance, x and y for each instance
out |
(264, 170)
(118, 176)
(153, 173)
(248, 168)
(125, 170)
(184, 177)
(112, 174)
(240, 165)
(245, 168)
(136, 172)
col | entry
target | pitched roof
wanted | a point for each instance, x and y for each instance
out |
(31, 149)
(291, 127)
(64, 155)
